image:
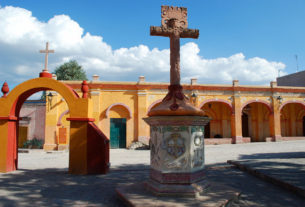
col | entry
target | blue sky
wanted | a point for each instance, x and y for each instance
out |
(249, 40)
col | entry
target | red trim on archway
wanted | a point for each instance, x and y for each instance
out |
(60, 117)
(118, 104)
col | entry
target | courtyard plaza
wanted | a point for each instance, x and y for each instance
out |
(43, 180)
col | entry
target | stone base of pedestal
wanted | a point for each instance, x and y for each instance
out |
(213, 194)
(192, 190)
(177, 177)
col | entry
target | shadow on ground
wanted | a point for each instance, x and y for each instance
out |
(55, 187)
(288, 167)
(283, 155)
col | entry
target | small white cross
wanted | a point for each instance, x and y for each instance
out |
(47, 51)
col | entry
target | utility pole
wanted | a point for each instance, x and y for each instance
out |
(278, 73)
(296, 59)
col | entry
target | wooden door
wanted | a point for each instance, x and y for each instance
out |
(207, 129)
(245, 125)
(23, 135)
(117, 133)
(303, 125)
(62, 136)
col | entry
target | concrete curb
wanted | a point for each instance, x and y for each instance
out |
(268, 178)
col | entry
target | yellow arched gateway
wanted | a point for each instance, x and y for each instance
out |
(89, 147)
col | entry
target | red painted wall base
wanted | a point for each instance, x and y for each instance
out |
(98, 150)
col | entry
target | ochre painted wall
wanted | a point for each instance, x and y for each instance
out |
(292, 120)
(258, 122)
(223, 103)
(220, 114)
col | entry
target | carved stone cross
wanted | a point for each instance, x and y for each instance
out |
(174, 26)
(47, 51)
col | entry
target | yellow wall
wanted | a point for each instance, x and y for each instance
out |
(292, 120)
(221, 118)
(258, 122)
(131, 100)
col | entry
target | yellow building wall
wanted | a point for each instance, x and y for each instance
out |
(258, 122)
(132, 101)
(292, 120)
(109, 98)
(221, 119)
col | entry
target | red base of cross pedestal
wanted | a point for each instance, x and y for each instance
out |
(45, 74)
(175, 103)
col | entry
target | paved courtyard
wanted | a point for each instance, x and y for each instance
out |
(42, 178)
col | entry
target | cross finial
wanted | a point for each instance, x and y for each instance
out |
(174, 26)
(46, 51)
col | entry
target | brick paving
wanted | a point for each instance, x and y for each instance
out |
(43, 179)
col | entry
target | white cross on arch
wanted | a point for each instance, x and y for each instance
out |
(47, 51)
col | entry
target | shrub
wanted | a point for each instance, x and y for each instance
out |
(33, 144)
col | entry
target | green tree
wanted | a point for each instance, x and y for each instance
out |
(43, 96)
(70, 71)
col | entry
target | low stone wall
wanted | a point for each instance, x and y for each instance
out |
(216, 141)
(246, 139)
(270, 139)
(289, 138)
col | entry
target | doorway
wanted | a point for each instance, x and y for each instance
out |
(207, 130)
(117, 133)
(303, 125)
(245, 125)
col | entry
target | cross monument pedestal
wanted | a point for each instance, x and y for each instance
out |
(176, 125)
(177, 168)
(176, 155)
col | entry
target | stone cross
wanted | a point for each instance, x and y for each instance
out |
(174, 26)
(47, 51)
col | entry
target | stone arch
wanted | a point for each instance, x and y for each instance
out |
(258, 121)
(118, 104)
(293, 101)
(15, 98)
(120, 116)
(292, 113)
(221, 114)
(257, 101)
(300, 115)
(60, 117)
(217, 100)
(83, 129)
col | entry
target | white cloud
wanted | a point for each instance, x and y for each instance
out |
(223, 70)
(22, 35)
